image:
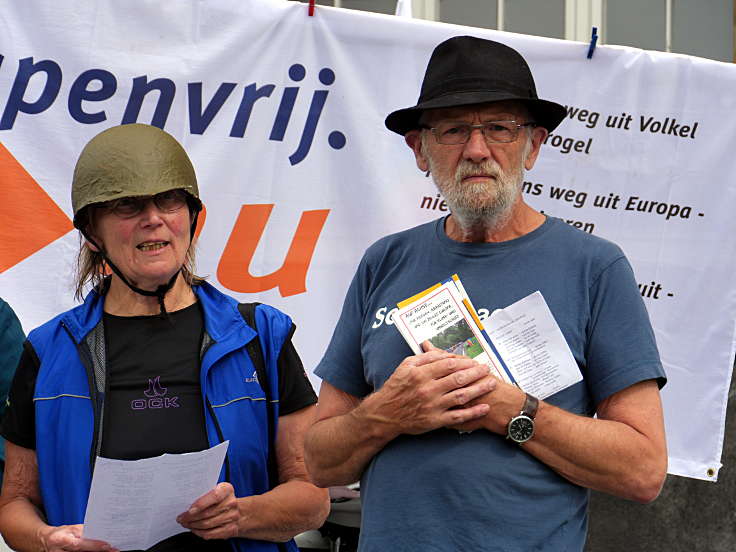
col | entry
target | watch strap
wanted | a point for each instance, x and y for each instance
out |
(531, 404)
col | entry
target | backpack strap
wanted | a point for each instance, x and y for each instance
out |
(253, 347)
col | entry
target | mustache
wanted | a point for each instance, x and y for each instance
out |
(467, 168)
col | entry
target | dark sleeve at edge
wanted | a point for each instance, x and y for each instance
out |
(295, 390)
(19, 420)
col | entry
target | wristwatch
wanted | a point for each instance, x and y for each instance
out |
(521, 427)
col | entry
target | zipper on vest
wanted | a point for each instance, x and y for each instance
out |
(207, 342)
(86, 357)
(220, 437)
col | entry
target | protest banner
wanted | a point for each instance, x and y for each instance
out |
(282, 115)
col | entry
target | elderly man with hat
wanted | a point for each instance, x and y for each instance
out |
(449, 457)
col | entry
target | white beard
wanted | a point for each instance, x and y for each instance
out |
(486, 204)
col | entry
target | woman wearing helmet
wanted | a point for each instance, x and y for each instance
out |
(154, 361)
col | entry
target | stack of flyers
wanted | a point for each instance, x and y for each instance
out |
(444, 316)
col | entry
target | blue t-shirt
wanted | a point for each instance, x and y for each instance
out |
(443, 491)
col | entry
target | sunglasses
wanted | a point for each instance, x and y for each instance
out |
(127, 207)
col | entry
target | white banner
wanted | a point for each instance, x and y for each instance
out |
(282, 115)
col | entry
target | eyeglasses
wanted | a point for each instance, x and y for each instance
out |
(494, 132)
(127, 207)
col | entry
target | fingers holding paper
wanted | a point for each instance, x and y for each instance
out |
(214, 515)
(67, 538)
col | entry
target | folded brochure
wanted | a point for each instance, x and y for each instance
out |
(444, 316)
(527, 349)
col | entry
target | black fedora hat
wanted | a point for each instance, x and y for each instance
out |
(466, 70)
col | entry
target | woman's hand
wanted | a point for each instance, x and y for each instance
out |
(293, 506)
(20, 505)
(65, 538)
(213, 515)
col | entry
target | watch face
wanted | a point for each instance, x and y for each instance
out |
(521, 429)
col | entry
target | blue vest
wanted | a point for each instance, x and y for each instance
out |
(68, 400)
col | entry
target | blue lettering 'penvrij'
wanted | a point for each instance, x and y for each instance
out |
(204, 101)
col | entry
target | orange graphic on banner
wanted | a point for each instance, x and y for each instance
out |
(233, 271)
(29, 218)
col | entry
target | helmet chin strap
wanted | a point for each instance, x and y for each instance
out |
(160, 292)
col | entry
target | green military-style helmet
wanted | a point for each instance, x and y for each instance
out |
(131, 160)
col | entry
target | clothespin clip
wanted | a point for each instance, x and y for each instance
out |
(311, 8)
(593, 40)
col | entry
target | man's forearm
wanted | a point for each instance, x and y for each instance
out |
(339, 448)
(285, 511)
(425, 392)
(622, 452)
(604, 455)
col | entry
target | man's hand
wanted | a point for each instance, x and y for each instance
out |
(67, 538)
(428, 391)
(504, 402)
(213, 515)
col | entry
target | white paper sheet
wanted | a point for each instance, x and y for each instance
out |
(133, 504)
(533, 347)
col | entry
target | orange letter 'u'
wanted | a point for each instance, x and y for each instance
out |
(233, 272)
